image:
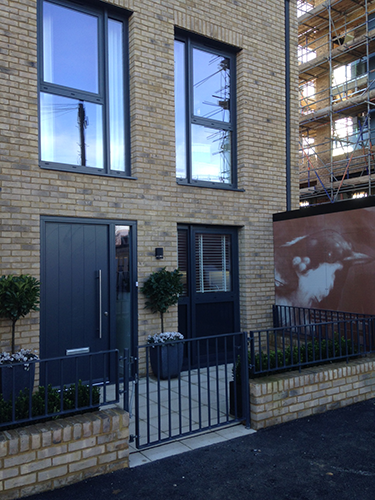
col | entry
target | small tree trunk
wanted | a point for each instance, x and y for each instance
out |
(13, 333)
(162, 322)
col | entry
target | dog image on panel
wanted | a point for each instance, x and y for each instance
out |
(311, 270)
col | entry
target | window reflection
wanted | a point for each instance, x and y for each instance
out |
(211, 82)
(116, 95)
(71, 131)
(180, 111)
(123, 303)
(70, 48)
(211, 154)
(83, 98)
(204, 121)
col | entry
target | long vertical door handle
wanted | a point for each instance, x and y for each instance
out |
(100, 303)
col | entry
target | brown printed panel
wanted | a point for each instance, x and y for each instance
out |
(327, 261)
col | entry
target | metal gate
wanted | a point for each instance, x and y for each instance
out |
(211, 391)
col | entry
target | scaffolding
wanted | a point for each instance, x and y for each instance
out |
(336, 50)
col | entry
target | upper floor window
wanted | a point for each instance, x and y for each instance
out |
(304, 6)
(344, 137)
(354, 75)
(83, 96)
(342, 74)
(307, 147)
(307, 97)
(204, 113)
(305, 54)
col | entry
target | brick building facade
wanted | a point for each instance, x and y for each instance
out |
(89, 123)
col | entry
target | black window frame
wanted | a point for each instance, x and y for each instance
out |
(103, 12)
(215, 47)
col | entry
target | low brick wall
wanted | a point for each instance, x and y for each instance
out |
(293, 395)
(57, 453)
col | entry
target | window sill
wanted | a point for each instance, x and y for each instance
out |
(88, 171)
(209, 185)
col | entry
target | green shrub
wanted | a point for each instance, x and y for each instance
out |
(18, 296)
(162, 289)
(54, 396)
(311, 353)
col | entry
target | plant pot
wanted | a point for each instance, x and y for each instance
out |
(235, 400)
(166, 360)
(24, 375)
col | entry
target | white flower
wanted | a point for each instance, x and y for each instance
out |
(163, 338)
(22, 356)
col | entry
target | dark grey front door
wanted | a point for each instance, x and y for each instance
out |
(208, 260)
(75, 288)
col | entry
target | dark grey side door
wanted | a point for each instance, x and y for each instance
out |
(209, 304)
(75, 287)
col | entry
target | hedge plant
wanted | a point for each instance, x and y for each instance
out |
(38, 402)
(312, 353)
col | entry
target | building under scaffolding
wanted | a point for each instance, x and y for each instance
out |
(337, 99)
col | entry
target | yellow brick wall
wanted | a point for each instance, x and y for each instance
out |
(47, 456)
(278, 399)
(154, 200)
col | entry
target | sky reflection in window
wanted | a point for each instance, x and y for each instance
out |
(70, 48)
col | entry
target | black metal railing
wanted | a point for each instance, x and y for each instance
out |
(200, 397)
(297, 346)
(212, 388)
(49, 388)
(291, 315)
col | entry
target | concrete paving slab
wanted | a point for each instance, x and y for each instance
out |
(166, 450)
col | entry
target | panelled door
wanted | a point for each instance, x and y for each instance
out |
(87, 284)
(208, 260)
(76, 285)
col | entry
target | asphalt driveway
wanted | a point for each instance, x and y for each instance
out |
(327, 456)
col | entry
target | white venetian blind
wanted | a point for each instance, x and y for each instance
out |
(213, 262)
(183, 257)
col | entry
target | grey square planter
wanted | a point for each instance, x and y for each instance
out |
(166, 360)
(24, 375)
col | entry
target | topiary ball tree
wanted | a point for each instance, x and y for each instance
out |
(18, 296)
(162, 289)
